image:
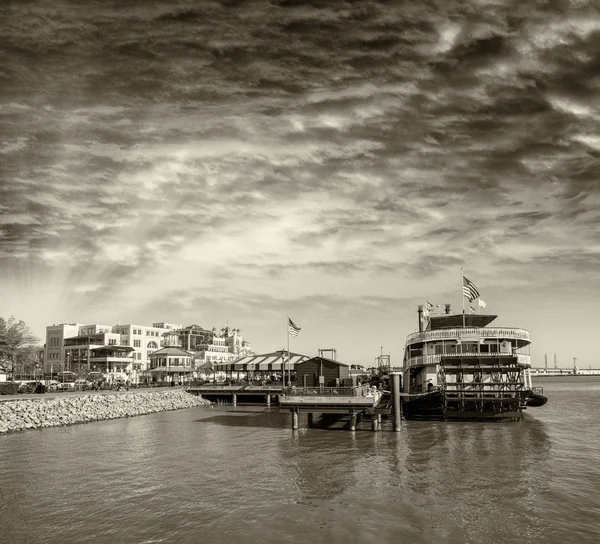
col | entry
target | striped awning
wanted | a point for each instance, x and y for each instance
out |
(267, 362)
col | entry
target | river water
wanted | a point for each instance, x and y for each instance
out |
(240, 475)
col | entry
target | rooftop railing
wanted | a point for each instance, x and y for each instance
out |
(468, 332)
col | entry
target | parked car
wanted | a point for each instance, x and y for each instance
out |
(66, 386)
(83, 384)
(27, 386)
(52, 385)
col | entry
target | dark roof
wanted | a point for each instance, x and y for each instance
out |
(113, 348)
(85, 336)
(456, 320)
(325, 360)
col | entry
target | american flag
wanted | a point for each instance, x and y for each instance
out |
(469, 289)
(293, 329)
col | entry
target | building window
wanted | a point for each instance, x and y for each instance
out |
(112, 342)
(137, 343)
(139, 356)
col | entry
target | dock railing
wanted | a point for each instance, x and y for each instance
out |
(356, 391)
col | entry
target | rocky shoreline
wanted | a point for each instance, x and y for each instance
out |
(19, 415)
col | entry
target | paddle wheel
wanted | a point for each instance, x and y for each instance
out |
(481, 387)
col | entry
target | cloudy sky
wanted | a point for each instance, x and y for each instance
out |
(231, 162)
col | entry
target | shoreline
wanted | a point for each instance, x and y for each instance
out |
(38, 413)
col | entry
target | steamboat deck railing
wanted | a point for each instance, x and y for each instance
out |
(421, 360)
(507, 333)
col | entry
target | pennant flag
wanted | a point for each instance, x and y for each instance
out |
(472, 309)
(469, 289)
(481, 303)
(429, 306)
(293, 329)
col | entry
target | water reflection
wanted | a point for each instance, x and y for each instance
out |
(480, 472)
(324, 464)
(239, 475)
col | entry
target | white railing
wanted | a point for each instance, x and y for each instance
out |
(420, 360)
(468, 332)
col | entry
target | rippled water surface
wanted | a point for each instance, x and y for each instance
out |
(238, 475)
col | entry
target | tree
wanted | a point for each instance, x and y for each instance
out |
(17, 344)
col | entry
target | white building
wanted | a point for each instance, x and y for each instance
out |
(144, 340)
(54, 358)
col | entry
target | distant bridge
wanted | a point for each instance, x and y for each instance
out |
(565, 371)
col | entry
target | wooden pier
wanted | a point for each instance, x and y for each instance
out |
(357, 402)
(270, 393)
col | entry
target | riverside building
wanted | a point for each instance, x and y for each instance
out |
(127, 349)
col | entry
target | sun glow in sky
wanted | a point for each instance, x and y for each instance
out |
(233, 162)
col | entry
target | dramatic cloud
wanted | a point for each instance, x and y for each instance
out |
(205, 161)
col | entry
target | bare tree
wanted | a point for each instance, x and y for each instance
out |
(17, 344)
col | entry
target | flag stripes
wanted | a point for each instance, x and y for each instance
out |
(469, 289)
(293, 329)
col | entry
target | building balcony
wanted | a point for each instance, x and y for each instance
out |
(421, 360)
(103, 358)
(470, 333)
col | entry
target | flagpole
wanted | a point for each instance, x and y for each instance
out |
(462, 284)
(287, 331)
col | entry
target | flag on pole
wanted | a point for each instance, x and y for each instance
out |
(472, 309)
(481, 303)
(429, 306)
(469, 289)
(293, 329)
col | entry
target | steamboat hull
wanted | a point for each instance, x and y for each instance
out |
(435, 405)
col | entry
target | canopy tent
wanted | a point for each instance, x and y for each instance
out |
(267, 362)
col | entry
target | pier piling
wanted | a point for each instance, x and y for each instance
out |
(396, 413)
(353, 422)
(373, 422)
(294, 420)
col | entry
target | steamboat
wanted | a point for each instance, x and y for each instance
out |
(460, 366)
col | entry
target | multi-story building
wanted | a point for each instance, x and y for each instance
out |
(235, 343)
(86, 351)
(144, 340)
(212, 346)
(54, 358)
(171, 364)
(80, 348)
